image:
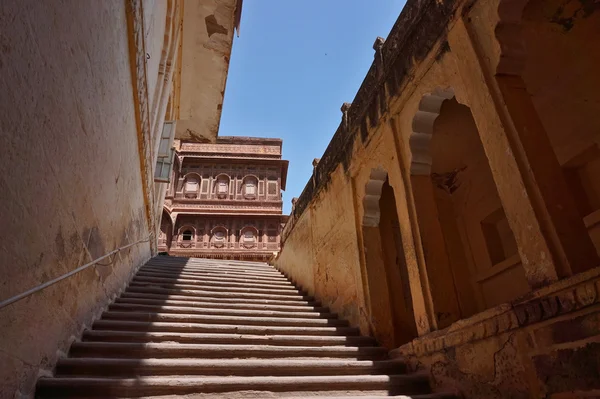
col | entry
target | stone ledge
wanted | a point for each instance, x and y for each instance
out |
(563, 297)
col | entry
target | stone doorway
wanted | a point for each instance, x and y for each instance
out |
(392, 316)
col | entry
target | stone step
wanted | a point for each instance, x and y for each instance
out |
(216, 281)
(219, 265)
(88, 387)
(220, 279)
(177, 350)
(215, 274)
(121, 325)
(204, 310)
(200, 261)
(228, 320)
(198, 285)
(240, 297)
(361, 395)
(224, 367)
(221, 305)
(235, 339)
(214, 269)
(216, 301)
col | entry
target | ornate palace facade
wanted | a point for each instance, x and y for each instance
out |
(224, 199)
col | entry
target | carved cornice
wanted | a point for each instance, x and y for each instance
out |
(231, 148)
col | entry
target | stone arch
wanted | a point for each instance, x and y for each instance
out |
(508, 33)
(219, 236)
(182, 240)
(188, 190)
(245, 240)
(372, 213)
(463, 229)
(221, 192)
(422, 130)
(185, 227)
(249, 193)
(391, 311)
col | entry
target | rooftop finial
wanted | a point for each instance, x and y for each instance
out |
(378, 43)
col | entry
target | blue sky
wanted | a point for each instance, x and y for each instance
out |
(293, 66)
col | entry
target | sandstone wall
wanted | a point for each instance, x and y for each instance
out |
(545, 346)
(71, 183)
(470, 135)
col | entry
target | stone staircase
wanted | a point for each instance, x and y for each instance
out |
(223, 329)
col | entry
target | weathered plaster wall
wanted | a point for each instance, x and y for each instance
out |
(334, 239)
(298, 261)
(323, 253)
(208, 29)
(71, 183)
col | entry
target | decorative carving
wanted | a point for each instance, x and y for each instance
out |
(231, 148)
(234, 198)
(586, 294)
(373, 187)
(422, 126)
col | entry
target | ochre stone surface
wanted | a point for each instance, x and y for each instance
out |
(490, 147)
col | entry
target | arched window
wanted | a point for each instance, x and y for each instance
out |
(222, 186)
(188, 235)
(248, 237)
(191, 186)
(219, 237)
(250, 187)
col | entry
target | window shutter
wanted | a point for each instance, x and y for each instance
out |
(164, 162)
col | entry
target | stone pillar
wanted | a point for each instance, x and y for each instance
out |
(206, 233)
(233, 232)
(552, 239)
(416, 266)
(264, 234)
(441, 279)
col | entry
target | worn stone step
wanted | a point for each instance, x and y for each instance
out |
(264, 272)
(203, 310)
(220, 305)
(202, 262)
(224, 338)
(220, 328)
(198, 285)
(228, 320)
(240, 297)
(219, 265)
(220, 274)
(177, 350)
(73, 386)
(218, 281)
(224, 367)
(216, 301)
(366, 395)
